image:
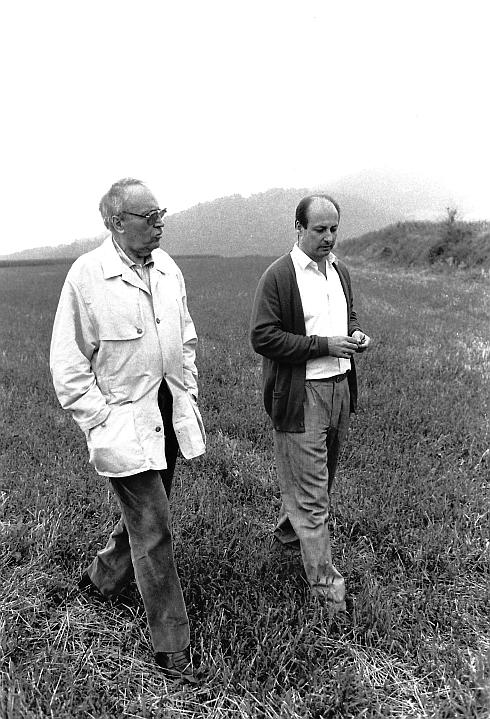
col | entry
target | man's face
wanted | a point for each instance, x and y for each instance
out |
(318, 239)
(136, 237)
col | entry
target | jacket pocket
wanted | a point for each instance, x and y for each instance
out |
(279, 406)
(113, 446)
(119, 315)
(118, 328)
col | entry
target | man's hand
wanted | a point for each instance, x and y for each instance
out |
(363, 340)
(345, 347)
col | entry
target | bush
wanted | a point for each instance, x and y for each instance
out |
(453, 246)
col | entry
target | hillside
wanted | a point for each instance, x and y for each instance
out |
(72, 250)
(451, 242)
(262, 224)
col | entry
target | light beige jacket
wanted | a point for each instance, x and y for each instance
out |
(112, 343)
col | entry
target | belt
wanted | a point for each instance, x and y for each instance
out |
(335, 378)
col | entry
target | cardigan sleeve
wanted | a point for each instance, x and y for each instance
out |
(268, 335)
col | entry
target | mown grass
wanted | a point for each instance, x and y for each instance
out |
(410, 523)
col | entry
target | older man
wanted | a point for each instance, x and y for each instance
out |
(123, 364)
(305, 326)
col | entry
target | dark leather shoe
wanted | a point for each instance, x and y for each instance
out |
(91, 590)
(292, 547)
(86, 585)
(176, 665)
(284, 552)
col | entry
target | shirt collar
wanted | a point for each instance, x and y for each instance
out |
(113, 264)
(302, 259)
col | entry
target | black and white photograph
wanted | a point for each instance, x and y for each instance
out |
(245, 360)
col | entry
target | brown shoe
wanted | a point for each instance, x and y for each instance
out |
(177, 665)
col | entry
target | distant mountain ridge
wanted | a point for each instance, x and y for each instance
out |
(72, 250)
(263, 224)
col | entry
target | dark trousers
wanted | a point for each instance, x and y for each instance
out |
(140, 546)
(306, 464)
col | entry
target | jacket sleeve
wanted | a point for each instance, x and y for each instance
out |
(189, 343)
(267, 334)
(73, 344)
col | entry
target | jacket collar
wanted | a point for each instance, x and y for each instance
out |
(113, 265)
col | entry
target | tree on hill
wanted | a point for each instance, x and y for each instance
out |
(452, 246)
(450, 242)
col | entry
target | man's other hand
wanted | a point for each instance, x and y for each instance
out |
(340, 346)
(363, 340)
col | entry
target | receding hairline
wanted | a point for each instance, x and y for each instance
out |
(320, 202)
(112, 202)
(303, 207)
(135, 191)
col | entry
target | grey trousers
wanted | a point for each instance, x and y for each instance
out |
(306, 464)
(140, 546)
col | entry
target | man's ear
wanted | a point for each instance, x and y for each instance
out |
(117, 224)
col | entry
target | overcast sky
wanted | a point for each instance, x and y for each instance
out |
(207, 98)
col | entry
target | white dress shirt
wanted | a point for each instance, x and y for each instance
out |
(324, 308)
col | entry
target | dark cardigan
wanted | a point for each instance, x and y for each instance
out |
(278, 333)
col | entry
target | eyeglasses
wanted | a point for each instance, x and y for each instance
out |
(151, 217)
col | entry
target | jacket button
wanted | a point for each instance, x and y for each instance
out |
(139, 330)
(158, 320)
(158, 429)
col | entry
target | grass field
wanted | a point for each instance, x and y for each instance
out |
(410, 522)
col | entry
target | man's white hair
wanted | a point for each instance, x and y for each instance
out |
(112, 202)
